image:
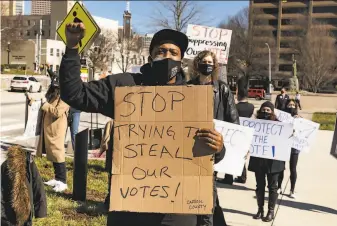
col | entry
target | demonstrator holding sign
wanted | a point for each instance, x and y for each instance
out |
(167, 50)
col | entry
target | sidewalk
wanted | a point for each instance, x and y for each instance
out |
(316, 187)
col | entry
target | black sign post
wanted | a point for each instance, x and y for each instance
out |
(80, 166)
(334, 141)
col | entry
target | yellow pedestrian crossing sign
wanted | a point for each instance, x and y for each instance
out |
(76, 15)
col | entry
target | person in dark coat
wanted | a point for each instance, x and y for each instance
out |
(205, 72)
(22, 190)
(281, 100)
(166, 50)
(245, 109)
(266, 168)
(292, 108)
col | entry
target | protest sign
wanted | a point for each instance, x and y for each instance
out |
(213, 39)
(305, 134)
(334, 141)
(237, 141)
(33, 121)
(283, 116)
(158, 165)
(271, 139)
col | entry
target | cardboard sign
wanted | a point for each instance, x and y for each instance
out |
(283, 116)
(334, 141)
(158, 164)
(271, 139)
(305, 134)
(213, 39)
(34, 117)
(78, 14)
(237, 140)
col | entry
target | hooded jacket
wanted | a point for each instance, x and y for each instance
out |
(22, 190)
(98, 97)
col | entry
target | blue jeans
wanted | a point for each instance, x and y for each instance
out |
(75, 123)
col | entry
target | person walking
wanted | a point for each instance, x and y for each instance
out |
(167, 50)
(53, 131)
(205, 72)
(245, 109)
(292, 109)
(266, 168)
(281, 99)
(298, 99)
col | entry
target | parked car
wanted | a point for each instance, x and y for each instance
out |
(258, 94)
(26, 83)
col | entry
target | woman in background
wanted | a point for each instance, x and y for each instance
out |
(291, 108)
(266, 168)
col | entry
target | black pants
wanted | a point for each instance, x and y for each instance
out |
(60, 171)
(272, 179)
(299, 103)
(293, 172)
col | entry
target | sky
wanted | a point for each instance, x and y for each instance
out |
(214, 11)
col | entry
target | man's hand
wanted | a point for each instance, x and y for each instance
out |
(212, 137)
(74, 33)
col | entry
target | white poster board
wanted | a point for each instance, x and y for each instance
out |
(271, 139)
(33, 117)
(305, 134)
(237, 140)
(283, 116)
(213, 39)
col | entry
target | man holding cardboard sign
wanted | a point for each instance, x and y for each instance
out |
(167, 49)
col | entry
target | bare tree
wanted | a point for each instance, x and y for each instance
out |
(176, 14)
(248, 54)
(129, 50)
(101, 52)
(317, 55)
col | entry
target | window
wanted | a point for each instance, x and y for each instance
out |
(35, 32)
(49, 33)
(31, 79)
(21, 33)
(57, 52)
(42, 32)
(51, 52)
(28, 33)
(285, 45)
(28, 22)
(330, 9)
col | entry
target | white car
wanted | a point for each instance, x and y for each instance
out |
(26, 83)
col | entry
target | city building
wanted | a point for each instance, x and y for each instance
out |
(279, 17)
(8, 8)
(41, 7)
(20, 7)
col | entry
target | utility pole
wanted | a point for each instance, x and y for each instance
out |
(269, 83)
(40, 46)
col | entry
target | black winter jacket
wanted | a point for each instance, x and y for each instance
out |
(22, 190)
(98, 97)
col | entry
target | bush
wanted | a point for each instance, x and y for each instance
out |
(325, 119)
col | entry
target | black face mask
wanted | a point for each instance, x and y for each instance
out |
(205, 69)
(164, 70)
(292, 111)
(264, 115)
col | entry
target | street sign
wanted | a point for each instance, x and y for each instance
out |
(79, 14)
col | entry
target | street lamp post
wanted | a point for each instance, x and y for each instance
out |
(8, 51)
(269, 84)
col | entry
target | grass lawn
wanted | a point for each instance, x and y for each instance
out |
(327, 120)
(62, 210)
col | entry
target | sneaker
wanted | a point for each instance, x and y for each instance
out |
(51, 183)
(292, 195)
(60, 187)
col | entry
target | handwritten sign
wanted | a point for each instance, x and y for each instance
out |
(237, 141)
(271, 139)
(283, 116)
(213, 39)
(158, 164)
(32, 127)
(305, 134)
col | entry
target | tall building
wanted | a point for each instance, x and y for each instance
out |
(278, 17)
(20, 7)
(8, 8)
(127, 22)
(41, 7)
